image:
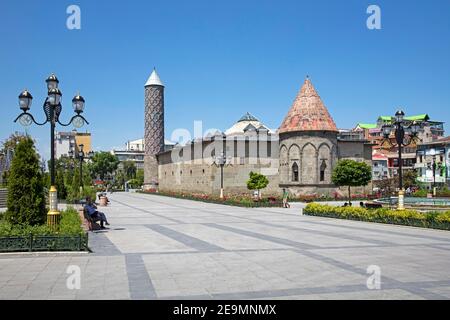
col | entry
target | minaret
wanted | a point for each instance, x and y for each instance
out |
(154, 128)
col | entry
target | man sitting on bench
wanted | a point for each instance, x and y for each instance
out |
(91, 209)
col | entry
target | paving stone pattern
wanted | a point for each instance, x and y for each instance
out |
(165, 248)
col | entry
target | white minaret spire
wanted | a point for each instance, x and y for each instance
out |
(154, 79)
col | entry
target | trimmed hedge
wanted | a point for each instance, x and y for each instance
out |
(70, 225)
(435, 220)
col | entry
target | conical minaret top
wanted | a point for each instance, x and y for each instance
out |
(308, 113)
(154, 79)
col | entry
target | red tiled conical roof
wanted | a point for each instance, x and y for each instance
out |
(308, 113)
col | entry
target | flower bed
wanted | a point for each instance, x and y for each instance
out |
(240, 201)
(435, 220)
(70, 236)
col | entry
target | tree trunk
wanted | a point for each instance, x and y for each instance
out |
(349, 197)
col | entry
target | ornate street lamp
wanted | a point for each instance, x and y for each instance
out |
(221, 161)
(80, 155)
(434, 167)
(52, 109)
(405, 133)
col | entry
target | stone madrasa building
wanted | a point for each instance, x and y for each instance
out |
(299, 156)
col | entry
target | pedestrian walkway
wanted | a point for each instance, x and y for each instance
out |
(164, 248)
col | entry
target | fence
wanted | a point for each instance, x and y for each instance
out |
(44, 243)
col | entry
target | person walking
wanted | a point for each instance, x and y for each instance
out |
(285, 198)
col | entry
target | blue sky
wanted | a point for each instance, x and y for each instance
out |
(219, 59)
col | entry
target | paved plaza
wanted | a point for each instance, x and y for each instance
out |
(165, 248)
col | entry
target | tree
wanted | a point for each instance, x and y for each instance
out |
(140, 176)
(7, 152)
(103, 163)
(129, 168)
(351, 173)
(26, 198)
(119, 179)
(12, 141)
(257, 181)
(60, 185)
(409, 178)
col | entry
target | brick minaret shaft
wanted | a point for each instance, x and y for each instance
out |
(154, 129)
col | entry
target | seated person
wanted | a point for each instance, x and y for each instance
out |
(361, 204)
(96, 215)
(103, 194)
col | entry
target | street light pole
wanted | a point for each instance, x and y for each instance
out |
(52, 108)
(221, 180)
(399, 127)
(80, 155)
(221, 161)
(434, 175)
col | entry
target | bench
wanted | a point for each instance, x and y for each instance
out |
(89, 223)
(372, 205)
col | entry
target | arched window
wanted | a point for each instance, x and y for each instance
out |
(323, 167)
(295, 172)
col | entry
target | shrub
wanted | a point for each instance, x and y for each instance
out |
(74, 194)
(421, 193)
(26, 198)
(437, 220)
(70, 224)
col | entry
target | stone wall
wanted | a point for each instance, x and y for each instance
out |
(193, 168)
(313, 155)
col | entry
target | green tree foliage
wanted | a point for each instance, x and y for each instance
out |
(60, 184)
(26, 198)
(129, 168)
(12, 141)
(119, 179)
(103, 163)
(257, 181)
(409, 178)
(73, 182)
(7, 149)
(351, 173)
(140, 176)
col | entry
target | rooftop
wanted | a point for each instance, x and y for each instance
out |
(308, 113)
(246, 123)
(154, 79)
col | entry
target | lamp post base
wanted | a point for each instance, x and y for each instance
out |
(53, 214)
(53, 218)
(221, 193)
(401, 200)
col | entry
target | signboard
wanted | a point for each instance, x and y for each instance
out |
(439, 179)
(436, 152)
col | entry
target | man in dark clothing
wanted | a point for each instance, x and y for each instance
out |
(96, 215)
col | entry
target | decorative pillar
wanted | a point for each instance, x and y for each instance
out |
(154, 129)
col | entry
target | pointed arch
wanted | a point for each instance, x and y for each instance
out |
(295, 172)
(309, 164)
(284, 164)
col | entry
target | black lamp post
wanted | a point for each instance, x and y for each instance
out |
(433, 167)
(52, 108)
(405, 133)
(80, 155)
